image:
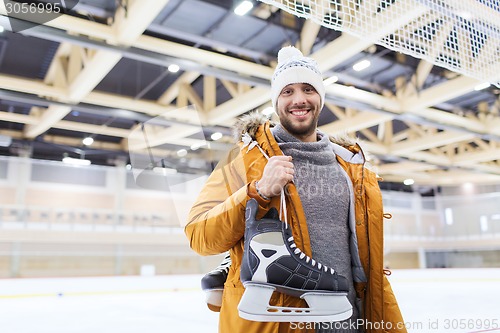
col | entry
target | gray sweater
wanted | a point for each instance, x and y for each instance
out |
(325, 197)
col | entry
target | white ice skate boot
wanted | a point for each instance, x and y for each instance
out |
(213, 284)
(272, 261)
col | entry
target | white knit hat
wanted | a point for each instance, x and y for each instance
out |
(293, 67)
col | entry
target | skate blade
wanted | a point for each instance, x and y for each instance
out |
(214, 297)
(323, 307)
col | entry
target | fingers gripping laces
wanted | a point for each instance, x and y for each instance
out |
(251, 143)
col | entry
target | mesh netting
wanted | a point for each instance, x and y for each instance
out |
(460, 35)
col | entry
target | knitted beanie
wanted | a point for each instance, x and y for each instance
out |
(293, 67)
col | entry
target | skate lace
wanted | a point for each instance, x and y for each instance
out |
(224, 265)
(247, 140)
(308, 259)
(282, 214)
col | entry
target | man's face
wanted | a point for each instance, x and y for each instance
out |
(298, 108)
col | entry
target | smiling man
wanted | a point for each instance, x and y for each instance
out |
(333, 207)
(297, 93)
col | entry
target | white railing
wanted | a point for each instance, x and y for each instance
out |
(48, 218)
(442, 218)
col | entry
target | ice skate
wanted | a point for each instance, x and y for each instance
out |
(213, 284)
(272, 261)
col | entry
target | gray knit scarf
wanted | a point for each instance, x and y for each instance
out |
(325, 197)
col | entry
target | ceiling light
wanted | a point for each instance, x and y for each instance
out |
(363, 64)
(88, 141)
(164, 171)
(182, 152)
(5, 140)
(465, 14)
(482, 86)
(483, 220)
(75, 161)
(468, 188)
(216, 136)
(448, 216)
(196, 146)
(268, 111)
(409, 181)
(243, 8)
(331, 80)
(173, 68)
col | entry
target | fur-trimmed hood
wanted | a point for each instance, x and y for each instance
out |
(250, 122)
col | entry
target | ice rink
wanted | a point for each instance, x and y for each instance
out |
(439, 300)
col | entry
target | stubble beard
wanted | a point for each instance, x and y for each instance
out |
(299, 131)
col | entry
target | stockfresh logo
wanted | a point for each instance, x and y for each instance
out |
(24, 15)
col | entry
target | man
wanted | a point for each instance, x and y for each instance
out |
(334, 204)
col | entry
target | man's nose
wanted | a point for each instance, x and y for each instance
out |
(299, 98)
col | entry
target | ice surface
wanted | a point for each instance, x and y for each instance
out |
(432, 301)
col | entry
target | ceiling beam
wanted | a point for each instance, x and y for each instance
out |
(91, 128)
(470, 158)
(127, 27)
(157, 45)
(100, 31)
(338, 51)
(31, 86)
(138, 105)
(56, 74)
(203, 57)
(429, 141)
(158, 136)
(76, 142)
(209, 92)
(46, 118)
(186, 115)
(173, 136)
(440, 93)
(173, 90)
(130, 24)
(91, 73)
(68, 125)
(308, 36)
(239, 105)
(87, 68)
(352, 124)
(18, 118)
(354, 94)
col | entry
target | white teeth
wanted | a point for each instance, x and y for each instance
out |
(299, 113)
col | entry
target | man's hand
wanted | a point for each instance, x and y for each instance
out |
(277, 173)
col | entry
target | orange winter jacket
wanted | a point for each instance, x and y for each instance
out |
(216, 223)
